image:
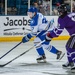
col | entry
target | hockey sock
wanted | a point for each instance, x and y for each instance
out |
(40, 51)
(53, 50)
(50, 48)
(73, 55)
(69, 57)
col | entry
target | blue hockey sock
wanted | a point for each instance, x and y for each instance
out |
(40, 51)
(54, 50)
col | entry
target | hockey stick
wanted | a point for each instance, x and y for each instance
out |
(10, 50)
(21, 54)
(17, 56)
(13, 47)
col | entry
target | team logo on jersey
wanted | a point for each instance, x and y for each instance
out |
(32, 22)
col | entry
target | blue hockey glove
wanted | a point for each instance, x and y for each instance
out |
(26, 38)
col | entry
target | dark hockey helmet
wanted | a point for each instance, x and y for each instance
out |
(62, 8)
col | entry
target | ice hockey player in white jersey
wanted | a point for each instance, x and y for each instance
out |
(39, 26)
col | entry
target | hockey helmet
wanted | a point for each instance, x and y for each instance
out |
(33, 9)
(62, 8)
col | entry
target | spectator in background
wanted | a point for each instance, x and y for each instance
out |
(73, 6)
(46, 6)
(56, 3)
(61, 1)
(39, 5)
(43, 6)
(35, 4)
(2, 7)
(68, 4)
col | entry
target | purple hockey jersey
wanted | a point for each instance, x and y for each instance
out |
(68, 22)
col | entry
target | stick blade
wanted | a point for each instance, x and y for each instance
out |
(2, 65)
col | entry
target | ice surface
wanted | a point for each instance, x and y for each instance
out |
(27, 65)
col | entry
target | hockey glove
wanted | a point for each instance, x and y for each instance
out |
(26, 38)
(48, 37)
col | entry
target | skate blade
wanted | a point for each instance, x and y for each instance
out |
(41, 61)
(66, 68)
(62, 55)
(73, 71)
(70, 71)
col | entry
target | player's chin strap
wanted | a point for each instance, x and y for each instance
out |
(21, 54)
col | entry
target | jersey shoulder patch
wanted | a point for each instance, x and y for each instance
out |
(34, 21)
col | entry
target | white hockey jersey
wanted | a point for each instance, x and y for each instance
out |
(39, 23)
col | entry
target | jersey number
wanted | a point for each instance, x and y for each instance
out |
(44, 20)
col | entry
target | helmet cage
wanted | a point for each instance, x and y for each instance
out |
(62, 8)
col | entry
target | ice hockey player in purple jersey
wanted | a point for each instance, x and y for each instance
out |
(66, 20)
(39, 26)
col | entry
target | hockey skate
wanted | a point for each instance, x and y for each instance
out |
(68, 65)
(60, 55)
(73, 69)
(41, 59)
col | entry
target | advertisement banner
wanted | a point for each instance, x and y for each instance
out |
(14, 25)
(17, 25)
